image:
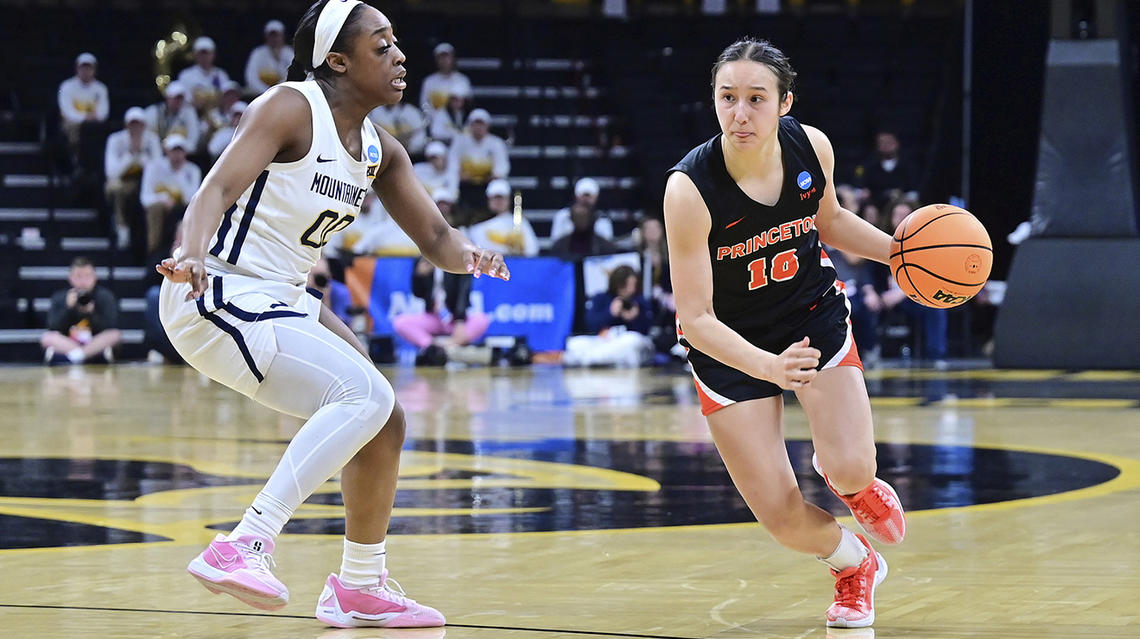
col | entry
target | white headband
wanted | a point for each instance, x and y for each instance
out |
(329, 25)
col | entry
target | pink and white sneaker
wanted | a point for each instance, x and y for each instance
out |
(383, 605)
(877, 508)
(242, 567)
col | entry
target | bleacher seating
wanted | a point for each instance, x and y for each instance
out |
(618, 101)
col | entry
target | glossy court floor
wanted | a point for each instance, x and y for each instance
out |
(542, 503)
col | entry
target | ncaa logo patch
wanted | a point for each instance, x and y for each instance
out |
(374, 155)
(804, 180)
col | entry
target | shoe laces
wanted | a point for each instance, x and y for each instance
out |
(872, 504)
(851, 589)
(392, 590)
(257, 559)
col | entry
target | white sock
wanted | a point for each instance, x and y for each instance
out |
(362, 564)
(850, 552)
(265, 518)
(76, 356)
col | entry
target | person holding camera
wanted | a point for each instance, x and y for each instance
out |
(621, 304)
(83, 320)
(618, 321)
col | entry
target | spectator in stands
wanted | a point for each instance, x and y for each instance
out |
(447, 311)
(82, 100)
(502, 232)
(126, 155)
(433, 171)
(585, 192)
(203, 80)
(933, 321)
(219, 117)
(173, 116)
(476, 157)
(380, 235)
(445, 82)
(620, 320)
(222, 137)
(168, 183)
(333, 294)
(83, 103)
(268, 64)
(405, 122)
(887, 173)
(446, 124)
(583, 240)
(622, 304)
(83, 321)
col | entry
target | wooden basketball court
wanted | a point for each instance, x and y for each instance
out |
(542, 503)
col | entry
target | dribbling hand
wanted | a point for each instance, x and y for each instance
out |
(795, 367)
(486, 262)
(190, 270)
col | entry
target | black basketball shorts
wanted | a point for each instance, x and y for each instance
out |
(827, 324)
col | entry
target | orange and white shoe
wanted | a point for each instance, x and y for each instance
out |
(877, 508)
(854, 605)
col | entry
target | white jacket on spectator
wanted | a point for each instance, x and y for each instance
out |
(469, 160)
(184, 123)
(405, 122)
(437, 88)
(499, 234)
(433, 179)
(562, 225)
(264, 69)
(204, 84)
(444, 127)
(161, 180)
(77, 99)
(120, 161)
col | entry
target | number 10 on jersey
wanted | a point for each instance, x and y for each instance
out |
(785, 265)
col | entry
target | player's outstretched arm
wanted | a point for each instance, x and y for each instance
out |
(272, 124)
(837, 226)
(687, 226)
(411, 206)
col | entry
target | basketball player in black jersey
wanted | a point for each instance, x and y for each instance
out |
(760, 309)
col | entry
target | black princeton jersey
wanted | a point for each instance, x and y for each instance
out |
(766, 260)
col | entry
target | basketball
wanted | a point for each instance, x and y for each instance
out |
(941, 255)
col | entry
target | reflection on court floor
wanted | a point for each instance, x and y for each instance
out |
(584, 503)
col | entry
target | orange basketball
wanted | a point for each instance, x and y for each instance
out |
(941, 255)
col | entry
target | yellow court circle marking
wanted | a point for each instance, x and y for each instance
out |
(127, 514)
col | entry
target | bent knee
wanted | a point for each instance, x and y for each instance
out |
(850, 473)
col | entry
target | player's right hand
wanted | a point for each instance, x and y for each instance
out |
(187, 269)
(795, 367)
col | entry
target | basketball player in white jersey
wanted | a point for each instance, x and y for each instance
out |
(235, 306)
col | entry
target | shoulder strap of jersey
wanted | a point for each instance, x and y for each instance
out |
(797, 138)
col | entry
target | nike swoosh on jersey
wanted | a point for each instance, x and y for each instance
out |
(734, 223)
(320, 159)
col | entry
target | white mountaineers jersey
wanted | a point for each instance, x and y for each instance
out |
(276, 229)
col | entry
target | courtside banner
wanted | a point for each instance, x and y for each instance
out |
(538, 302)
(383, 286)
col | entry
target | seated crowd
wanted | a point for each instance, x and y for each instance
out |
(154, 165)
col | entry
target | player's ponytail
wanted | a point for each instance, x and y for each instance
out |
(304, 39)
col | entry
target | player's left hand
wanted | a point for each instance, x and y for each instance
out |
(481, 261)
